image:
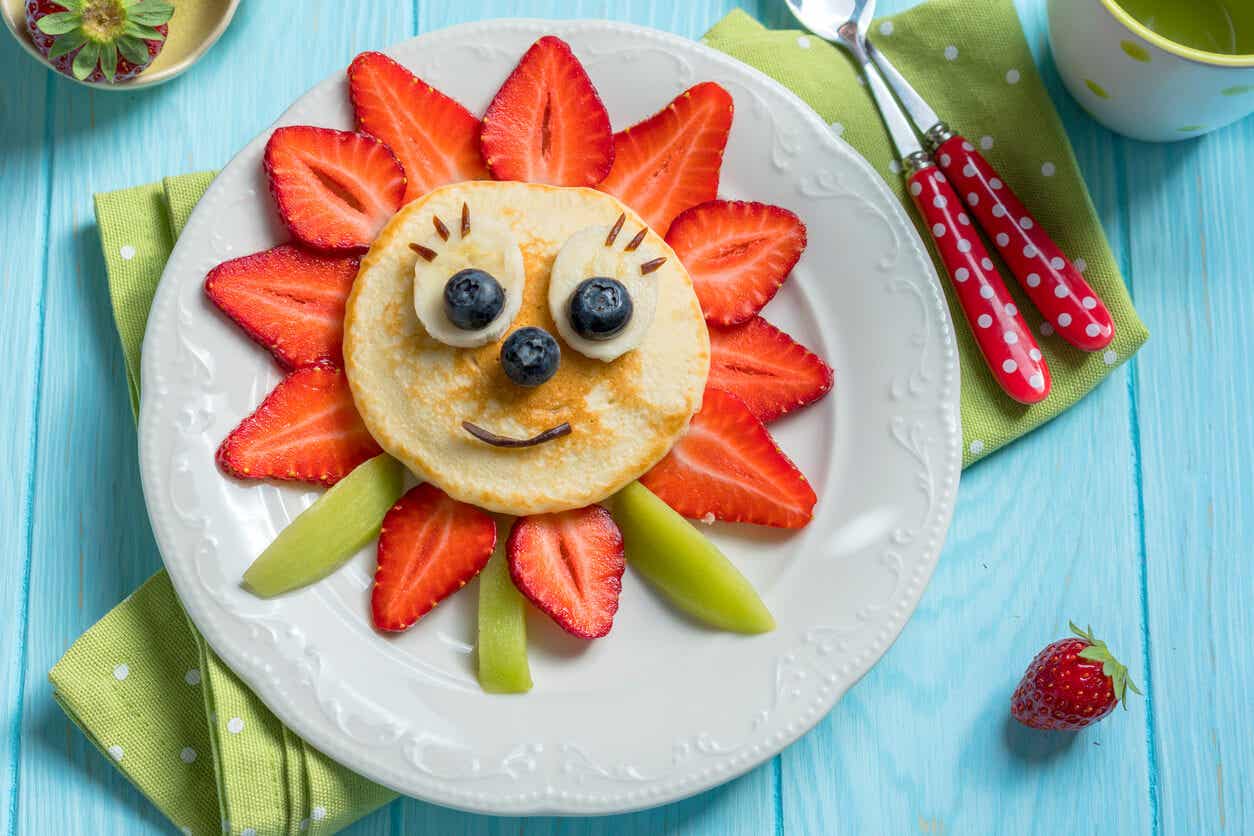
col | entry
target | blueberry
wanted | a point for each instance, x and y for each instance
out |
(600, 308)
(530, 356)
(472, 299)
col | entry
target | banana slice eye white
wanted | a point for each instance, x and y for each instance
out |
(601, 294)
(468, 281)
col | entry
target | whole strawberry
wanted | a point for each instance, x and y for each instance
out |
(1070, 684)
(99, 40)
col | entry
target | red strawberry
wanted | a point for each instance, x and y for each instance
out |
(435, 139)
(671, 160)
(738, 254)
(570, 565)
(289, 300)
(766, 369)
(1070, 684)
(547, 124)
(306, 430)
(335, 189)
(99, 40)
(430, 546)
(727, 466)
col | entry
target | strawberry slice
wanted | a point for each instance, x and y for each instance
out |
(306, 430)
(765, 368)
(335, 189)
(435, 139)
(430, 546)
(570, 565)
(547, 124)
(727, 467)
(738, 254)
(289, 300)
(671, 160)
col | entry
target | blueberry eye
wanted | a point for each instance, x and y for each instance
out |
(530, 356)
(473, 299)
(600, 308)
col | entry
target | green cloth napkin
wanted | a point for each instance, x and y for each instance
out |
(142, 684)
(146, 689)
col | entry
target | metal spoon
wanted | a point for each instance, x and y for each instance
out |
(1048, 277)
(1005, 342)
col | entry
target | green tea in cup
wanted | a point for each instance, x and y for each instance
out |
(1225, 27)
(1157, 70)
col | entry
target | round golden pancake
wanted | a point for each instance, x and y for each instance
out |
(414, 392)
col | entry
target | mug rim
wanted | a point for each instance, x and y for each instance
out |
(1201, 56)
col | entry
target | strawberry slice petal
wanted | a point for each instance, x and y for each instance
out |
(728, 467)
(570, 565)
(671, 160)
(289, 300)
(738, 254)
(764, 367)
(430, 546)
(435, 139)
(547, 124)
(306, 430)
(335, 189)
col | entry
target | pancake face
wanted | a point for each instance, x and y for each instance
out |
(414, 391)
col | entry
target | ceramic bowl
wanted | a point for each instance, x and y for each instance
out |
(196, 25)
(1140, 84)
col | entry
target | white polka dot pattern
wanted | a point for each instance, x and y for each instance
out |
(1000, 332)
(1054, 285)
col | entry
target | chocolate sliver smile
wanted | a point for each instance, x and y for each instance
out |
(495, 440)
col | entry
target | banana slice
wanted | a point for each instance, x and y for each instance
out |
(489, 246)
(584, 256)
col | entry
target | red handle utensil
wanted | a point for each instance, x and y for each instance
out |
(1003, 337)
(1048, 277)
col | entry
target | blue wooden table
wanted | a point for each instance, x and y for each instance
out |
(1131, 512)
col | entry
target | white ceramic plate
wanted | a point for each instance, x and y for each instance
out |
(662, 708)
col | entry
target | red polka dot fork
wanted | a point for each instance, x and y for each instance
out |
(1048, 278)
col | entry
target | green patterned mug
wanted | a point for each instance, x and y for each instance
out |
(1157, 70)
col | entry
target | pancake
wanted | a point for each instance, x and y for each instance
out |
(414, 391)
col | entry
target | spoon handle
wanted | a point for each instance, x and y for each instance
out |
(1009, 350)
(1048, 277)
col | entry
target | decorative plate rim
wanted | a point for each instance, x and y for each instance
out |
(717, 765)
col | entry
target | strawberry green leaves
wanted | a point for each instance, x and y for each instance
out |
(87, 60)
(1097, 651)
(60, 23)
(149, 13)
(107, 39)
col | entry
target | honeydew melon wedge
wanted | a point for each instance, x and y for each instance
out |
(329, 532)
(502, 645)
(685, 566)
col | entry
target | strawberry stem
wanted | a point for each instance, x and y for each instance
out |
(1097, 651)
(103, 20)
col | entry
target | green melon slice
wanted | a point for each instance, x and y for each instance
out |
(685, 566)
(503, 667)
(329, 532)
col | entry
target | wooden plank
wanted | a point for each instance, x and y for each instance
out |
(1192, 264)
(91, 540)
(1044, 532)
(25, 160)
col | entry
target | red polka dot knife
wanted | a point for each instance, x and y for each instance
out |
(1049, 279)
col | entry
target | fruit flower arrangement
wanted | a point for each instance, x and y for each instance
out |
(99, 40)
(555, 327)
